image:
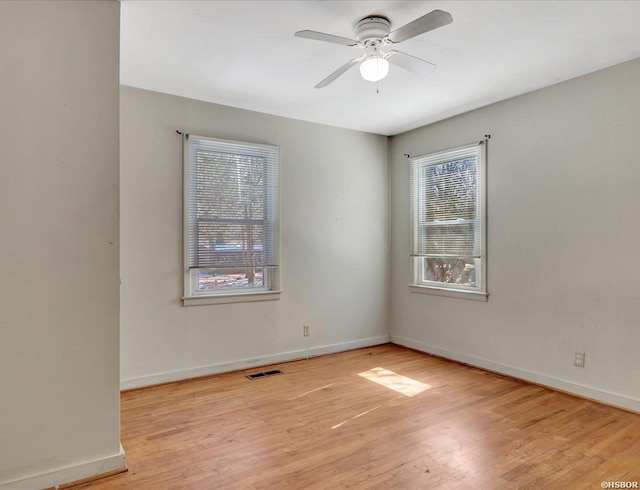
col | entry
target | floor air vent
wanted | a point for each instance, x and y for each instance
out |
(264, 374)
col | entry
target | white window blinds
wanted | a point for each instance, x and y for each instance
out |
(447, 216)
(231, 204)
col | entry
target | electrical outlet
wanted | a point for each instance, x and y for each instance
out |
(306, 330)
(579, 359)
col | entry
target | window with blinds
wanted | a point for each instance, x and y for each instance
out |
(447, 194)
(231, 216)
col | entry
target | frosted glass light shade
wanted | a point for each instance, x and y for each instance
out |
(374, 68)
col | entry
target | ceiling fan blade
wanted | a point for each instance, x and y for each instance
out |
(411, 63)
(340, 71)
(330, 38)
(426, 23)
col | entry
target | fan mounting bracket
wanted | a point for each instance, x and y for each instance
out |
(372, 28)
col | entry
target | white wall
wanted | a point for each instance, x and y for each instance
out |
(334, 234)
(563, 276)
(59, 400)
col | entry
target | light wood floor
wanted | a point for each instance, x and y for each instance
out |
(321, 425)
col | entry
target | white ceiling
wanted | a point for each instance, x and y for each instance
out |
(244, 54)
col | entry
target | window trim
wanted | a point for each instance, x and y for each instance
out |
(451, 293)
(480, 292)
(228, 298)
(193, 297)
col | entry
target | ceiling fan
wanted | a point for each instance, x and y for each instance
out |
(372, 35)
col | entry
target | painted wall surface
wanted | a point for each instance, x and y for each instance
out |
(334, 235)
(59, 325)
(563, 198)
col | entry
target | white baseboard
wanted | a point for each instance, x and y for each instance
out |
(67, 474)
(167, 377)
(603, 396)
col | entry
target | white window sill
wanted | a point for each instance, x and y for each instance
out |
(451, 293)
(226, 298)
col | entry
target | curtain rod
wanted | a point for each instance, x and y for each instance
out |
(481, 142)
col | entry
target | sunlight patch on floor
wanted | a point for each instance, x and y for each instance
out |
(355, 417)
(311, 391)
(395, 382)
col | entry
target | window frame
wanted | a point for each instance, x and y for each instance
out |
(270, 290)
(419, 283)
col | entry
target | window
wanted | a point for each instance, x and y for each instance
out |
(231, 218)
(447, 193)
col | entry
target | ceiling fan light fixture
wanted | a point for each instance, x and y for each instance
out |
(372, 35)
(374, 68)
